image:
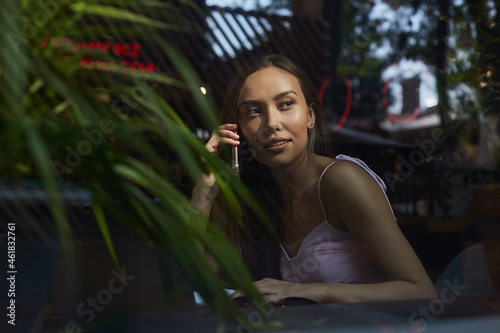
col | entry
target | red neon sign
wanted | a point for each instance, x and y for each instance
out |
(348, 105)
(126, 50)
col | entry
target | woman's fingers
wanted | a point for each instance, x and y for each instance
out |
(230, 127)
(274, 290)
(271, 289)
(224, 134)
(227, 133)
(227, 138)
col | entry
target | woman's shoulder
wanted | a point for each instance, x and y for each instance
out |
(345, 172)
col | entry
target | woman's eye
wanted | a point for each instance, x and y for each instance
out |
(286, 104)
(252, 111)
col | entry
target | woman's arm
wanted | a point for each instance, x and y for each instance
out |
(356, 198)
(204, 192)
(205, 189)
(353, 196)
(276, 290)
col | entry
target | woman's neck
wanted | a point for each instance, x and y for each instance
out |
(296, 178)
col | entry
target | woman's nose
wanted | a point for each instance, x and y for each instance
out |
(272, 122)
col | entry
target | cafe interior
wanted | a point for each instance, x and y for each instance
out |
(118, 99)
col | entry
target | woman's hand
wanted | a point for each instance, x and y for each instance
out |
(224, 134)
(275, 290)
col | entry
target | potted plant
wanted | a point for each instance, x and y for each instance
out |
(59, 125)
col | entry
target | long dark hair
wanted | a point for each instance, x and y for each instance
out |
(258, 248)
(318, 138)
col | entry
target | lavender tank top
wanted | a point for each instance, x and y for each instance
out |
(329, 255)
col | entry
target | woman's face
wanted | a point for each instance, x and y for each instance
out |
(274, 117)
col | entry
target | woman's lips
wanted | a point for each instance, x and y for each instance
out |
(277, 145)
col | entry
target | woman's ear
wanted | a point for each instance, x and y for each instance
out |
(311, 117)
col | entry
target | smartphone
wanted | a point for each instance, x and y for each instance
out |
(235, 164)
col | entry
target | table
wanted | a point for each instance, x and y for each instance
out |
(463, 314)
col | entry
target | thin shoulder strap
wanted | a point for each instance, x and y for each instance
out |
(319, 192)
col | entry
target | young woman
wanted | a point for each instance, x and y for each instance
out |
(339, 240)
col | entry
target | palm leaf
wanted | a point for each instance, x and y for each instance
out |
(47, 109)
